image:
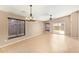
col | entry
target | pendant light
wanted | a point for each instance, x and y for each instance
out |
(50, 17)
(31, 16)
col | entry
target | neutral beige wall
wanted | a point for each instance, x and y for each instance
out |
(35, 28)
(32, 29)
(74, 24)
(67, 25)
(78, 24)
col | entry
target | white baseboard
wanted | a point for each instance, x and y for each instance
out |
(19, 40)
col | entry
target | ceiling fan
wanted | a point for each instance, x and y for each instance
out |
(30, 19)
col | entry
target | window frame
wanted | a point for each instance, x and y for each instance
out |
(17, 35)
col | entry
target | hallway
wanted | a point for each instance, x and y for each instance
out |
(46, 42)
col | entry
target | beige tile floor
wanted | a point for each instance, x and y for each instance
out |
(44, 43)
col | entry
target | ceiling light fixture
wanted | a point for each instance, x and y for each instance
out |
(50, 17)
(31, 16)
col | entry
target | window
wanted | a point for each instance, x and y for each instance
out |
(16, 28)
(58, 28)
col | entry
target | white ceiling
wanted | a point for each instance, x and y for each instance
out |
(41, 12)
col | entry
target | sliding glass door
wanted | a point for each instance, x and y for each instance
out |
(58, 28)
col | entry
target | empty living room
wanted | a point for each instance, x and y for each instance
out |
(39, 28)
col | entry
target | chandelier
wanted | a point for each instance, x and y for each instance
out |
(31, 16)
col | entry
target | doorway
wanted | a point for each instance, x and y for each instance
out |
(59, 28)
